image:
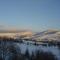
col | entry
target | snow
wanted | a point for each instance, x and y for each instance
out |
(33, 48)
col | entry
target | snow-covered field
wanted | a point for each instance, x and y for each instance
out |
(33, 48)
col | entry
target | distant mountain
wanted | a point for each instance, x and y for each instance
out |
(50, 35)
(15, 33)
(47, 35)
(12, 31)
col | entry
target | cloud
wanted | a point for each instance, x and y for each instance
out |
(2, 26)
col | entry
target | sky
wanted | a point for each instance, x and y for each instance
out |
(35, 15)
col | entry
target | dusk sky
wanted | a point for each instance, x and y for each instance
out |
(33, 15)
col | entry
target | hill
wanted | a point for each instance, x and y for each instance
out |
(47, 35)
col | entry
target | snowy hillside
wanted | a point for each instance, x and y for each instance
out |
(47, 35)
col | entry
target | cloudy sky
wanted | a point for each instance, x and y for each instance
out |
(34, 15)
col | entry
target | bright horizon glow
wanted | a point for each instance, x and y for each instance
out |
(35, 15)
